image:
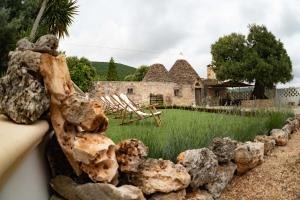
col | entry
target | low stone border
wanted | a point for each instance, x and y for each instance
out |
(197, 174)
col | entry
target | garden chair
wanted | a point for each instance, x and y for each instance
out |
(120, 103)
(114, 106)
(105, 105)
(136, 112)
(108, 107)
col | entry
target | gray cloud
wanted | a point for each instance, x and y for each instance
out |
(290, 23)
(139, 32)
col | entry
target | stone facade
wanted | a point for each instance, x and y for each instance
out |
(210, 72)
(140, 91)
(182, 72)
(157, 73)
(181, 86)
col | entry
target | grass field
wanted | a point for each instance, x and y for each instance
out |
(182, 130)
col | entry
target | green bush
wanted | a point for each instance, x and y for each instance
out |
(82, 72)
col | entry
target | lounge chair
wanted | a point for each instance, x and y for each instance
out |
(105, 104)
(134, 110)
(114, 106)
(121, 103)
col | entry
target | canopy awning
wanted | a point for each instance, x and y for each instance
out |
(230, 84)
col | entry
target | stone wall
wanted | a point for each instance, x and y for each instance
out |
(259, 103)
(210, 72)
(141, 91)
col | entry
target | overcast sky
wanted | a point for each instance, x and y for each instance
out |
(137, 32)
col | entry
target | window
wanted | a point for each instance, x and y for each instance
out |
(176, 92)
(130, 91)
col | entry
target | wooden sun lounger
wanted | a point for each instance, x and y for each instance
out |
(136, 112)
(107, 106)
(115, 107)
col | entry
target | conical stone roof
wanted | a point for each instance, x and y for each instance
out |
(157, 73)
(183, 73)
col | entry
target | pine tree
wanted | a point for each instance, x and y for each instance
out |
(112, 74)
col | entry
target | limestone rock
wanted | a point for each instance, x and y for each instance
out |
(88, 146)
(223, 148)
(56, 77)
(59, 164)
(80, 136)
(97, 156)
(269, 143)
(201, 164)
(23, 97)
(84, 113)
(199, 195)
(130, 154)
(296, 124)
(281, 137)
(297, 116)
(68, 189)
(248, 156)
(24, 44)
(287, 128)
(224, 175)
(160, 176)
(47, 44)
(180, 195)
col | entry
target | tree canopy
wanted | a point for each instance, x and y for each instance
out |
(112, 74)
(82, 72)
(59, 15)
(139, 74)
(18, 16)
(258, 57)
(16, 19)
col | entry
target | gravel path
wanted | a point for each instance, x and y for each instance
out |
(278, 178)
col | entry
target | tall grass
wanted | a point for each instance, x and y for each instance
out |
(182, 130)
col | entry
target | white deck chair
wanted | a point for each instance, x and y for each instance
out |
(133, 108)
(120, 102)
(113, 107)
(108, 106)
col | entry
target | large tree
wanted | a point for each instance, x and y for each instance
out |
(16, 18)
(82, 72)
(257, 58)
(19, 18)
(112, 74)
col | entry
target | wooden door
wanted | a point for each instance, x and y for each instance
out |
(198, 96)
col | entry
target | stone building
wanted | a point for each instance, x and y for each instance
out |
(179, 86)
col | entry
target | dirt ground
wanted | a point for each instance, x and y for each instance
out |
(278, 178)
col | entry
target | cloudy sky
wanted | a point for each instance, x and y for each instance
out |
(137, 32)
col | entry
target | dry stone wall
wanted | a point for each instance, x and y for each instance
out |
(259, 103)
(198, 174)
(141, 91)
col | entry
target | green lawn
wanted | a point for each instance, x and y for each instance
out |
(182, 130)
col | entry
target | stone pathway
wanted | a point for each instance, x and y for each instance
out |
(278, 178)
